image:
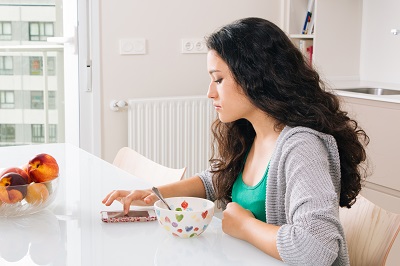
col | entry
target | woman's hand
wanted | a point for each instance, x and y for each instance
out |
(126, 197)
(234, 219)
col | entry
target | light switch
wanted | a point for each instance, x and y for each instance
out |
(132, 46)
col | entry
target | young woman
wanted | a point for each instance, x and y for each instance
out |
(286, 156)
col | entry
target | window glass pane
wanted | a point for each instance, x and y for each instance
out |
(52, 100)
(37, 133)
(6, 99)
(7, 28)
(8, 62)
(52, 133)
(35, 64)
(34, 28)
(9, 97)
(48, 30)
(37, 100)
(51, 66)
(6, 65)
(7, 134)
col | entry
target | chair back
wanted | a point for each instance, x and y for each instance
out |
(142, 167)
(370, 232)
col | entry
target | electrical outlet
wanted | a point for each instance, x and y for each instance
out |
(132, 46)
(194, 46)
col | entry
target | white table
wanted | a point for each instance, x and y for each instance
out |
(70, 231)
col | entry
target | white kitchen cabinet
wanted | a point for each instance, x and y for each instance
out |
(381, 121)
(337, 35)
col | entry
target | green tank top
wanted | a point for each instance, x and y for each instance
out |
(251, 197)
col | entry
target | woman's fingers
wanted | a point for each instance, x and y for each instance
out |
(114, 195)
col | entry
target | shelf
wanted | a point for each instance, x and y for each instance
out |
(301, 36)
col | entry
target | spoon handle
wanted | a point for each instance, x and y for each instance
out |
(158, 194)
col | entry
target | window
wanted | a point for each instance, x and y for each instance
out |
(7, 133)
(6, 65)
(37, 133)
(6, 99)
(36, 65)
(51, 66)
(52, 100)
(39, 31)
(37, 100)
(52, 133)
(5, 31)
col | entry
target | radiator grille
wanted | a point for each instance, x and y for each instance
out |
(174, 132)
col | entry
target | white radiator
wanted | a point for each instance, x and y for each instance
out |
(174, 132)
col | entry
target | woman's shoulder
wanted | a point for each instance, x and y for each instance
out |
(305, 140)
(305, 134)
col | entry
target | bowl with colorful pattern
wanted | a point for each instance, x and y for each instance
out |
(188, 217)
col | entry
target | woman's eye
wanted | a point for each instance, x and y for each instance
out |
(218, 81)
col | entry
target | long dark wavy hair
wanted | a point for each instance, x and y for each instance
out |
(277, 79)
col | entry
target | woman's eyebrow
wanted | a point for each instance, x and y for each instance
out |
(213, 71)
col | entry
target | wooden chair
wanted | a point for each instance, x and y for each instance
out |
(370, 232)
(142, 167)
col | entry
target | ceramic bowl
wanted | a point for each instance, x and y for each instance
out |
(36, 198)
(188, 217)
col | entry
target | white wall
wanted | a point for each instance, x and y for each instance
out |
(163, 71)
(380, 50)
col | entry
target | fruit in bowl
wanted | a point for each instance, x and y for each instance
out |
(28, 189)
(188, 217)
(43, 167)
(17, 170)
(12, 188)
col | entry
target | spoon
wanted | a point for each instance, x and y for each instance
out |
(158, 194)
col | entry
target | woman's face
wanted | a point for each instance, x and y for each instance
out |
(228, 97)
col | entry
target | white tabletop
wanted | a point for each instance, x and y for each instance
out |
(70, 231)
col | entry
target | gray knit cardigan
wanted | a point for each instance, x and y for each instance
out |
(303, 189)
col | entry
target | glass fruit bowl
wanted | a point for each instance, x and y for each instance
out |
(17, 200)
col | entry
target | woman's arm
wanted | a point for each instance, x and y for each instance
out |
(191, 187)
(240, 223)
(188, 187)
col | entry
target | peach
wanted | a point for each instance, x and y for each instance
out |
(36, 193)
(43, 167)
(17, 170)
(12, 188)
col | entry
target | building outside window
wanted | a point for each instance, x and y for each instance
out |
(5, 31)
(30, 70)
(52, 100)
(37, 100)
(36, 66)
(7, 133)
(39, 31)
(52, 133)
(7, 99)
(37, 133)
(6, 65)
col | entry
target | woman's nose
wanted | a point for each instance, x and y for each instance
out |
(211, 93)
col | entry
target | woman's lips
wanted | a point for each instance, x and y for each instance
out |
(217, 107)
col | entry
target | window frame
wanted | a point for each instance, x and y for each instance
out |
(4, 69)
(5, 36)
(4, 132)
(4, 104)
(41, 34)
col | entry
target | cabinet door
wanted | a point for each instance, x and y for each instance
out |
(380, 120)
